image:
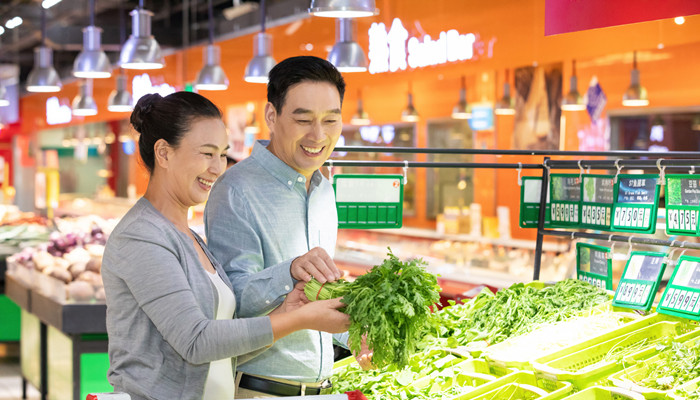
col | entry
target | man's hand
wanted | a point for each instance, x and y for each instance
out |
(316, 263)
(364, 357)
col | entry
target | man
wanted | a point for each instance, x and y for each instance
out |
(271, 221)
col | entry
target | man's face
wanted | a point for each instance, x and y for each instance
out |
(306, 130)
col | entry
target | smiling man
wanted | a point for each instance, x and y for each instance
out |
(271, 221)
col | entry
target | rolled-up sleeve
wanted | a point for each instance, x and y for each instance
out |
(154, 276)
(235, 241)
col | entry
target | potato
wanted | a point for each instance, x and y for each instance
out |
(61, 263)
(58, 273)
(94, 265)
(42, 260)
(76, 269)
(100, 294)
(78, 254)
(92, 278)
(80, 291)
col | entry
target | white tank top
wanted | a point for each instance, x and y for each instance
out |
(220, 382)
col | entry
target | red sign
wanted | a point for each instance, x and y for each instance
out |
(562, 16)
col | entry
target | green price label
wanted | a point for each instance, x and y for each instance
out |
(682, 204)
(640, 280)
(368, 201)
(597, 198)
(636, 203)
(565, 199)
(530, 193)
(682, 295)
(594, 265)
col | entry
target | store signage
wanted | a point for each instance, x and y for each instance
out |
(636, 201)
(482, 118)
(142, 85)
(369, 201)
(597, 195)
(594, 265)
(565, 199)
(682, 204)
(56, 113)
(530, 193)
(640, 280)
(682, 295)
(393, 50)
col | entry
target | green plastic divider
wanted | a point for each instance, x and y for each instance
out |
(11, 317)
(93, 374)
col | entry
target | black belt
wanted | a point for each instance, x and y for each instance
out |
(276, 388)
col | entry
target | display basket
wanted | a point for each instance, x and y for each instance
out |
(683, 390)
(516, 385)
(575, 367)
(627, 377)
(605, 393)
(469, 375)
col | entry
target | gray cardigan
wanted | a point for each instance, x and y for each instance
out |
(160, 310)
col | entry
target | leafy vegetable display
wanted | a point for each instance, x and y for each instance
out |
(677, 364)
(390, 304)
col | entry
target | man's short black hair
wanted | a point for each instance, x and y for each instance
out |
(298, 69)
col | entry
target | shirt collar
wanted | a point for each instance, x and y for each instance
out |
(287, 175)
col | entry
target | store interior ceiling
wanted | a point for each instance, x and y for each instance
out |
(176, 25)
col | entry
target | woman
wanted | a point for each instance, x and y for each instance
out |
(169, 303)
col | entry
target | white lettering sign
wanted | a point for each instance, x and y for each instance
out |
(57, 113)
(141, 85)
(394, 50)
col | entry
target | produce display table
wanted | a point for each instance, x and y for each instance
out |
(64, 346)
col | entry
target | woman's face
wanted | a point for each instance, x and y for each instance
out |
(198, 161)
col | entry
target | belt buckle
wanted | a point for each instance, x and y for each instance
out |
(326, 387)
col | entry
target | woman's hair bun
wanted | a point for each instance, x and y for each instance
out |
(143, 107)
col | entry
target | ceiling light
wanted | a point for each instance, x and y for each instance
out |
(4, 101)
(83, 103)
(43, 77)
(120, 99)
(343, 8)
(92, 62)
(49, 3)
(13, 23)
(361, 117)
(504, 106)
(141, 50)
(2, 30)
(636, 94)
(461, 110)
(259, 67)
(409, 114)
(211, 76)
(679, 20)
(346, 54)
(573, 101)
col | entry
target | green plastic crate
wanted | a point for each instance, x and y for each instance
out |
(624, 379)
(516, 383)
(344, 362)
(472, 373)
(687, 387)
(567, 367)
(605, 393)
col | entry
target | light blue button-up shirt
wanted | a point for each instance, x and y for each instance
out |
(258, 219)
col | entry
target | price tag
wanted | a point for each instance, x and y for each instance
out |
(597, 195)
(530, 193)
(593, 265)
(640, 280)
(682, 204)
(682, 295)
(636, 203)
(565, 200)
(368, 201)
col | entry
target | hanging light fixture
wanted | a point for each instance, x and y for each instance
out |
(461, 110)
(347, 55)
(141, 50)
(361, 117)
(409, 114)
(43, 78)
(259, 67)
(573, 101)
(4, 101)
(120, 99)
(343, 8)
(83, 103)
(92, 62)
(504, 106)
(636, 94)
(211, 76)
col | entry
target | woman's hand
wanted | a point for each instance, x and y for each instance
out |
(364, 357)
(322, 315)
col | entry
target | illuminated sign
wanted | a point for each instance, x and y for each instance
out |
(56, 113)
(393, 50)
(141, 85)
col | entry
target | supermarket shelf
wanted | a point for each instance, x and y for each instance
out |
(17, 292)
(431, 234)
(69, 318)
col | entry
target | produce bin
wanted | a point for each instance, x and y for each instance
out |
(688, 387)
(466, 376)
(605, 393)
(567, 366)
(519, 384)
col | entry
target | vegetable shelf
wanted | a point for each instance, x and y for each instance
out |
(605, 393)
(516, 385)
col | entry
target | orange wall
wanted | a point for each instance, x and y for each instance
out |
(514, 28)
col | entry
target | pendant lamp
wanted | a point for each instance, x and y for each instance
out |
(43, 78)
(636, 94)
(141, 50)
(409, 114)
(461, 109)
(120, 99)
(259, 67)
(343, 8)
(83, 103)
(361, 117)
(573, 101)
(211, 76)
(92, 62)
(347, 55)
(4, 101)
(504, 106)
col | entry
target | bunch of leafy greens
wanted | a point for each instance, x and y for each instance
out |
(676, 365)
(390, 305)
